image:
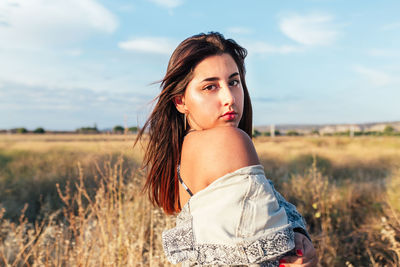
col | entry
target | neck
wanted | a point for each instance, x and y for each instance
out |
(189, 131)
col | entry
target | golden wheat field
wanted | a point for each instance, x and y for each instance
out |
(76, 200)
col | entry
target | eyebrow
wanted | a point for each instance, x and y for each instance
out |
(216, 78)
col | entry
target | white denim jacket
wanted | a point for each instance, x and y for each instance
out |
(239, 219)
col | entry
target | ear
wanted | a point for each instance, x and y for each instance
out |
(179, 102)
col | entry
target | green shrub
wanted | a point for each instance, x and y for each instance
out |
(87, 130)
(256, 133)
(388, 129)
(133, 129)
(21, 130)
(118, 129)
(292, 133)
(315, 132)
(39, 130)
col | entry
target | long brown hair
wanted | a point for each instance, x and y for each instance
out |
(165, 126)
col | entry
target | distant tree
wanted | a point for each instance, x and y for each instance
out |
(315, 132)
(133, 129)
(358, 133)
(256, 133)
(268, 133)
(388, 130)
(292, 133)
(345, 133)
(21, 130)
(87, 130)
(118, 129)
(39, 130)
(374, 133)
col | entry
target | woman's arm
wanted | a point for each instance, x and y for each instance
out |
(306, 255)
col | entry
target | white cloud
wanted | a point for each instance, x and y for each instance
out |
(39, 23)
(391, 26)
(265, 48)
(240, 30)
(168, 3)
(65, 69)
(67, 108)
(156, 45)
(374, 76)
(312, 29)
(21, 96)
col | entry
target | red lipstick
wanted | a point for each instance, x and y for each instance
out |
(230, 115)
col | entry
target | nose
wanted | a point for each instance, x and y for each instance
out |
(227, 97)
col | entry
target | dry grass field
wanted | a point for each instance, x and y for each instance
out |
(75, 200)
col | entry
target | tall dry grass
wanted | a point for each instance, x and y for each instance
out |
(352, 224)
(116, 226)
(347, 189)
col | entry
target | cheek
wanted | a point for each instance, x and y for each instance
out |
(196, 99)
(200, 102)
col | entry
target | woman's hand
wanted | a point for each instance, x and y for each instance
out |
(305, 251)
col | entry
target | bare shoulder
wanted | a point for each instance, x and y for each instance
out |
(213, 153)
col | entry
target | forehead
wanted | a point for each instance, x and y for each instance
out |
(215, 66)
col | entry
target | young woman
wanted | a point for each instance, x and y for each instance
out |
(202, 164)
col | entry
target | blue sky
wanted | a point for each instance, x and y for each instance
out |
(65, 64)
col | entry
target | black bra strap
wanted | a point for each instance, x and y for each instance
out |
(181, 181)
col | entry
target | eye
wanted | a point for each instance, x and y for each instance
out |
(234, 83)
(210, 87)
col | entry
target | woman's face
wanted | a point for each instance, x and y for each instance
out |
(214, 97)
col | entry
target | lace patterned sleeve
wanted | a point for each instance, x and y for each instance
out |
(297, 221)
(246, 226)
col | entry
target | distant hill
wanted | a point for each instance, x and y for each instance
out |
(331, 128)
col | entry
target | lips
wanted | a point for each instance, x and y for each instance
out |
(230, 115)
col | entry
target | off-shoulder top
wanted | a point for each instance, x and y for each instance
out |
(239, 219)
